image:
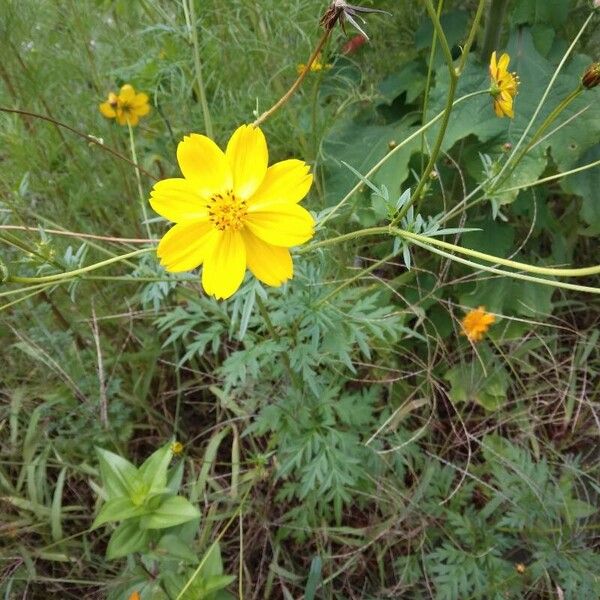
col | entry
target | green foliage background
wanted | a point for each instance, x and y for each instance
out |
(353, 445)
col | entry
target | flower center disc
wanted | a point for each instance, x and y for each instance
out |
(226, 211)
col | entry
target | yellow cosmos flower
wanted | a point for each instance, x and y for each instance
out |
(504, 86)
(232, 211)
(476, 323)
(128, 106)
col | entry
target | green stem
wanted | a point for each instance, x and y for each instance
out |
(493, 28)
(190, 13)
(75, 273)
(446, 114)
(540, 131)
(454, 75)
(544, 96)
(139, 180)
(389, 155)
(428, 82)
(551, 178)
(423, 239)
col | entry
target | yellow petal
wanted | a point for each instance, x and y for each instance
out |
(178, 200)
(224, 265)
(286, 181)
(127, 94)
(140, 99)
(132, 118)
(204, 163)
(185, 245)
(493, 66)
(281, 224)
(107, 110)
(248, 157)
(270, 264)
(121, 117)
(503, 63)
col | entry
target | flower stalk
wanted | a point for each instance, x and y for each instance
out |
(138, 179)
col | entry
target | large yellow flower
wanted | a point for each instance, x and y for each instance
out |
(232, 212)
(504, 86)
(476, 323)
(126, 107)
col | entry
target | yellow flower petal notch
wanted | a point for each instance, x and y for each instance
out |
(127, 107)
(476, 323)
(504, 86)
(232, 211)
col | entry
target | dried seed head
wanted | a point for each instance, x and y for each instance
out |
(339, 11)
(591, 78)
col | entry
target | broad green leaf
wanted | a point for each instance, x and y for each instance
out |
(554, 12)
(173, 511)
(217, 582)
(127, 539)
(117, 509)
(173, 547)
(586, 185)
(155, 467)
(118, 474)
(470, 383)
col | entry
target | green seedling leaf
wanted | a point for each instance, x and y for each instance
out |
(117, 509)
(173, 511)
(127, 539)
(118, 474)
(155, 467)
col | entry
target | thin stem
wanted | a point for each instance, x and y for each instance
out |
(428, 82)
(88, 138)
(543, 98)
(75, 273)
(540, 131)
(551, 283)
(454, 75)
(423, 239)
(138, 179)
(354, 278)
(551, 177)
(389, 155)
(283, 100)
(191, 15)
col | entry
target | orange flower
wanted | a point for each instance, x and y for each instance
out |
(135, 596)
(476, 323)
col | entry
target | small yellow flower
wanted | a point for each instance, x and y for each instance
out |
(521, 568)
(177, 448)
(476, 323)
(232, 212)
(504, 86)
(126, 107)
(316, 66)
